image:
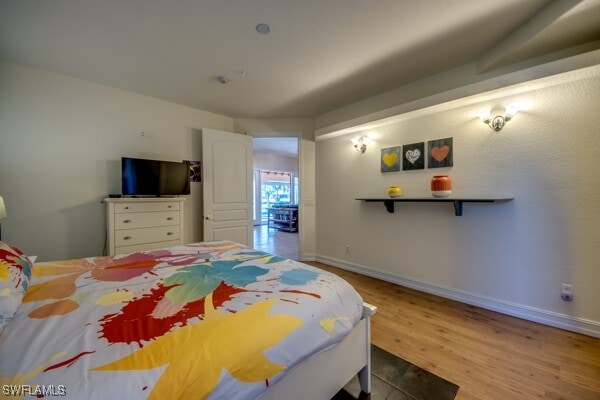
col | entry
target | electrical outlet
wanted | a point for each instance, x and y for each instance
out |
(348, 249)
(567, 292)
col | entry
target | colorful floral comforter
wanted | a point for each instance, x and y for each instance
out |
(211, 320)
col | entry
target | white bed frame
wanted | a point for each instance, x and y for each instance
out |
(321, 376)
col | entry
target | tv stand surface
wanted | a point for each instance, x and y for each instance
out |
(149, 196)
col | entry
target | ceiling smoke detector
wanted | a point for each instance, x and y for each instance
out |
(263, 29)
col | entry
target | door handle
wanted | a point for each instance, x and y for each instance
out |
(208, 218)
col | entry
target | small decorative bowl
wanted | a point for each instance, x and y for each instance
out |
(394, 191)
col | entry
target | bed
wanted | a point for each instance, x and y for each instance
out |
(215, 320)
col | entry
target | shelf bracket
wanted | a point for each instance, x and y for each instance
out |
(389, 206)
(458, 206)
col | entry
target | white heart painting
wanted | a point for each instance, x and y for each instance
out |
(413, 155)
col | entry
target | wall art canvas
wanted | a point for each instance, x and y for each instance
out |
(390, 159)
(440, 153)
(195, 170)
(413, 156)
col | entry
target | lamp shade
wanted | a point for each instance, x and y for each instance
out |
(2, 208)
(510, 112)
(485, 115)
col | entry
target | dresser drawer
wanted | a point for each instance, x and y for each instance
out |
(146, 206)
(138, 224)
(128, 237)
(146, 220)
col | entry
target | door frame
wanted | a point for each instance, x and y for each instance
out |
(298, 136)
(257, 195)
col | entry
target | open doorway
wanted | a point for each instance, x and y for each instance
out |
(276, 193)
(273, 189)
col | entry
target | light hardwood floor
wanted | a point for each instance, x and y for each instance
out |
(489, 355)
(273, 241)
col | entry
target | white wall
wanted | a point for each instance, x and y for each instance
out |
(275, 162)
(267, 127)
(511, 257)
(61, 141)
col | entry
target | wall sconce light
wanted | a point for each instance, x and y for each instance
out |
(360, 143)
(498, 122)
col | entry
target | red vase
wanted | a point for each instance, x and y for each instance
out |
(441, 186)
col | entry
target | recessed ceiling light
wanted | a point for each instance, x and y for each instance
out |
(223, 79)
(263, 29)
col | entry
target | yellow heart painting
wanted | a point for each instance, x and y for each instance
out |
(390, 159)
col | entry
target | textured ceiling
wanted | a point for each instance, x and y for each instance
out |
(319, 56)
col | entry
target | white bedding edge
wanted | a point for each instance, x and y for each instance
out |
(322, 375)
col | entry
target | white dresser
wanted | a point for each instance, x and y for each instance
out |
(138, 224)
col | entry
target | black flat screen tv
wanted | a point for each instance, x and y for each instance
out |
(140, 177)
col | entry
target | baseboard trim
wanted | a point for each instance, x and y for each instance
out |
(308, 257)
(563, 321)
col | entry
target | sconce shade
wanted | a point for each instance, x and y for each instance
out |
(498, 122)
(360, 143)
(2, 208)
(485, 116)
(510, 112)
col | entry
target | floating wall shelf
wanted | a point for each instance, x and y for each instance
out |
(457, 201)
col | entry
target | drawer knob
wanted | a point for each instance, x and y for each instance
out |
(170, 219)
(169, 206)
(127, 221)
(127, 207)
(127, 238)
(170, 233)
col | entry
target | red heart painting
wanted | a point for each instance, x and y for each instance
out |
(439, 153)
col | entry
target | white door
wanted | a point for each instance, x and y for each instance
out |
(227, 176)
